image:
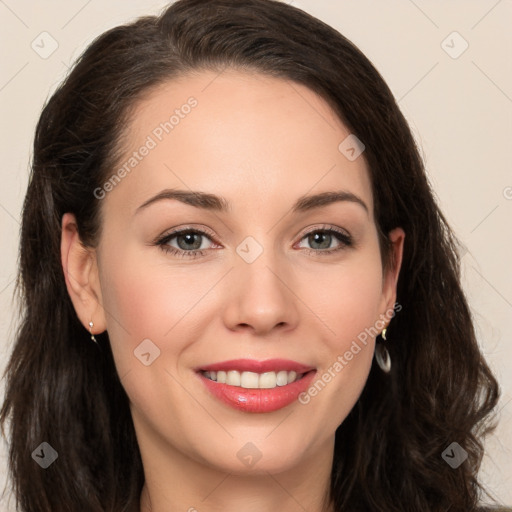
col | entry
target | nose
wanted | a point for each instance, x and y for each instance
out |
(261, 296)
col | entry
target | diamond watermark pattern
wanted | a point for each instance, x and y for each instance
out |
(249, 249)
(249, 454)
(45, 455)
(454, 455)
(351, 147)
(44, 45)
(454, 45)
(146, 352)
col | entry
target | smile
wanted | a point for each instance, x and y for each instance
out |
(252, 380)
(256, 386)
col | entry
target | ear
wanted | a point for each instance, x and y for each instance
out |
(390, 277)
(81, 274)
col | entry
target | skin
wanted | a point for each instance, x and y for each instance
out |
(261, 143)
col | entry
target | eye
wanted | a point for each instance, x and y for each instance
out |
(321, 240)
(190, 242)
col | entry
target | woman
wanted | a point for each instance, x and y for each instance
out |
(175, 353)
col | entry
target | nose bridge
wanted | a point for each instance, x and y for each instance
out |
(260, 297)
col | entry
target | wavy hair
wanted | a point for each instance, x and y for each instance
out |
(58, 390)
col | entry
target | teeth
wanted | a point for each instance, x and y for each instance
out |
(282, 378)
(251, 380)
(268, 380)
(248, 379)
(233, 378)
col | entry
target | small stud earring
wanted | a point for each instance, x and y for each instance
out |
(92, 335)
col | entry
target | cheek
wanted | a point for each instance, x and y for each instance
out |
(149, 311)
(348, 299)
(350, 308)
(148, 301)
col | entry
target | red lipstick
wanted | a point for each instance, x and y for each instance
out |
(257, 400)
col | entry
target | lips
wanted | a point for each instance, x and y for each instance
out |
(256, 400)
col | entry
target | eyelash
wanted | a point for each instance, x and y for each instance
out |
(344, 239)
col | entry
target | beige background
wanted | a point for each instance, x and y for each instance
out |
(460, 110)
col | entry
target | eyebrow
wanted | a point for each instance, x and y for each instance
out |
(216, 203)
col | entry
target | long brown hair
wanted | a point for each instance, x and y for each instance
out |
(62, 391)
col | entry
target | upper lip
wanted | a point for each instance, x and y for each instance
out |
(252, 365)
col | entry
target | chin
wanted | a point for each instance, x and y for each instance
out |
(259, 457)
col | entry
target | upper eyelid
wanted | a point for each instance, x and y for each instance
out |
(323, 227)
(186, 229)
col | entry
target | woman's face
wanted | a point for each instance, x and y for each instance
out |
(258, 276)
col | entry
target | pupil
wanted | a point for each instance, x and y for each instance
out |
(317, 238)
(189, 244)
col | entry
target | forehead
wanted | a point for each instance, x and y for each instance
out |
(239, 135)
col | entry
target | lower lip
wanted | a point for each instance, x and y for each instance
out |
(258, 400)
